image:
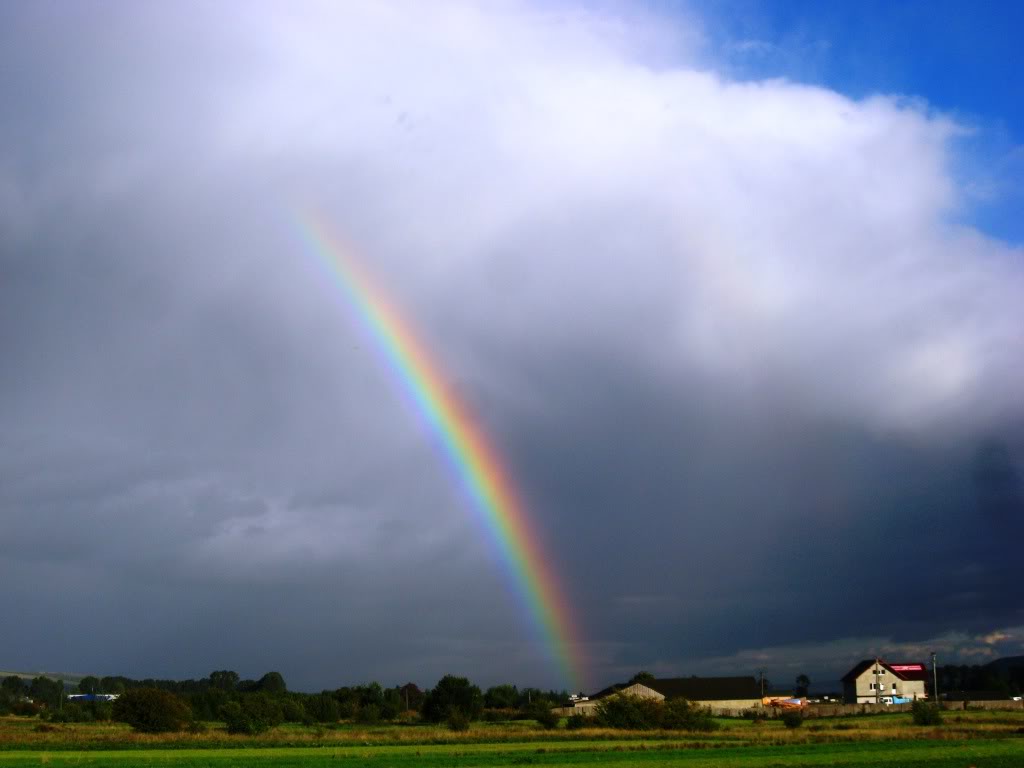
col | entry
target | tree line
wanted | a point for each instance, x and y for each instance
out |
(252, 706)
(1007, 679)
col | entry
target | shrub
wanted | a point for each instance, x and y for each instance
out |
(683, 715)
(25, 708)
(792, 718)
(458, 720)
(546, 717)
(369, 714)
(293, 711)
(151, 710)
(255, 713)
(323, 708)
(924, 713)
(629, 712)
(575, 722)
(500, 715)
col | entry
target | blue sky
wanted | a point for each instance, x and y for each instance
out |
(964, 59)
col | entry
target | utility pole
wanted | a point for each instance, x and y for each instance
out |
(761, 671)
(935, 679)
(876, 680)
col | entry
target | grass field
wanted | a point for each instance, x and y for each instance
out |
(980, 739)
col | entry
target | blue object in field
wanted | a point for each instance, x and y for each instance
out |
(901, 700)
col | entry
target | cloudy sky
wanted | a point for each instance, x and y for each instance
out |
(735, 290)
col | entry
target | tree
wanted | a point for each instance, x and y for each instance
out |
(412, 697)
(392, 704)
(46, 691)
(803, 683)
(113, 684)
(272, 683)
(501, 697)
(151, 710)
(224, 680)
(253, 714)
(13, 686)
(453, 693)
(642, 677)
(323, 708)
(89, 684)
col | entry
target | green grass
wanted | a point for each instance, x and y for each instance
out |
(933, 754)
(980, 739)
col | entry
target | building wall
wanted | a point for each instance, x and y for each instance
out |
(730, 704)
(862, 691)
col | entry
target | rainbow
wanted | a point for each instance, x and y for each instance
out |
(474, 460)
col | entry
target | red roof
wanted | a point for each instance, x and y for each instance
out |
(902, 671)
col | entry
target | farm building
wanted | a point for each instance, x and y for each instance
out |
(873, 680)
(86, 697)
(715, 692)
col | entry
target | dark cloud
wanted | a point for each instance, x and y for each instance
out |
(753, 382)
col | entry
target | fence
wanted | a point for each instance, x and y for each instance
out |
(835, 710)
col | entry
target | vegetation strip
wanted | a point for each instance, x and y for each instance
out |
(983, 754)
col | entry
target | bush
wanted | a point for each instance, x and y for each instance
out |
(458, 720)
(546, 717)
(369, 714)
(575, 722)
(924, 713)
(323, 708)
(683, 715)
(500, 715)
(631, 713)
(25, 708)
(254, 714)
(151, 710)
(792, 718)
(293, 711)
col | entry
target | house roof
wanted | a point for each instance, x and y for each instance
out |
(707, 688)
(696, 688)
(609, 690)
(903, 671)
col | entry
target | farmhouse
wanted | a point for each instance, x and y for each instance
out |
(873, 680)
(716, 692)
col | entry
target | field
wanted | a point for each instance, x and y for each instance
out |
(980, 739)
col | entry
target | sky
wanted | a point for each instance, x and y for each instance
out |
(733, 290)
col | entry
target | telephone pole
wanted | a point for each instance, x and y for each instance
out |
(877, 672)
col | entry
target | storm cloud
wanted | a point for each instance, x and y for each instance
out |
(754, 371)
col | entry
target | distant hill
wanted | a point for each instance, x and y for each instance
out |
(1005, 664)
(67, 677)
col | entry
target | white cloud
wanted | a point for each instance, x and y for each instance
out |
(782, 235)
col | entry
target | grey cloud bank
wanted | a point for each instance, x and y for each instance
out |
(751, 374)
